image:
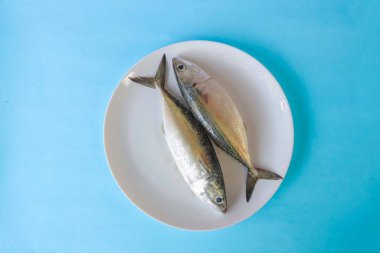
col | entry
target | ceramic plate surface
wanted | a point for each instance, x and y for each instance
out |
(139, 157)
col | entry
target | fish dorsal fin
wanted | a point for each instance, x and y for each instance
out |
(202, 165)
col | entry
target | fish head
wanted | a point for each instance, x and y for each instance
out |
(188, 74)
(214, 194)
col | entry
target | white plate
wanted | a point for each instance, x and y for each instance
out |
(142, 164)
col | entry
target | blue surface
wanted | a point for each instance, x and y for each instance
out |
(61, 60)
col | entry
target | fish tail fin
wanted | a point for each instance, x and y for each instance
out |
(153, 82)
(250, 185)
(143, 80)
(256, 174)
(161, 73)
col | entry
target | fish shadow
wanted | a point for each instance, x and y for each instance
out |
(296, 93)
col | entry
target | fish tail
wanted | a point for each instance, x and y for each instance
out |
(256, 174)
(158, 81)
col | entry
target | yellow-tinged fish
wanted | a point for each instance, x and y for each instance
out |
(215, 110)
(189, 144)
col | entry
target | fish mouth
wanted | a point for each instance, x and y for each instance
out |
(222, 207)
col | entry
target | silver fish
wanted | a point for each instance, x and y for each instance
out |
(189, 144)
(215, 110)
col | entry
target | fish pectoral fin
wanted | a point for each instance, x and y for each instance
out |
(245, 126)
(205, 97)
(202, 165)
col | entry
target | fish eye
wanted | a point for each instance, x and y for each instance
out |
(218, 199)
(181, 67)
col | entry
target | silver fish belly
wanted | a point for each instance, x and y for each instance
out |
(190, 147)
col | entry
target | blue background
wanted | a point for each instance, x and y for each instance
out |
(61, 60)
